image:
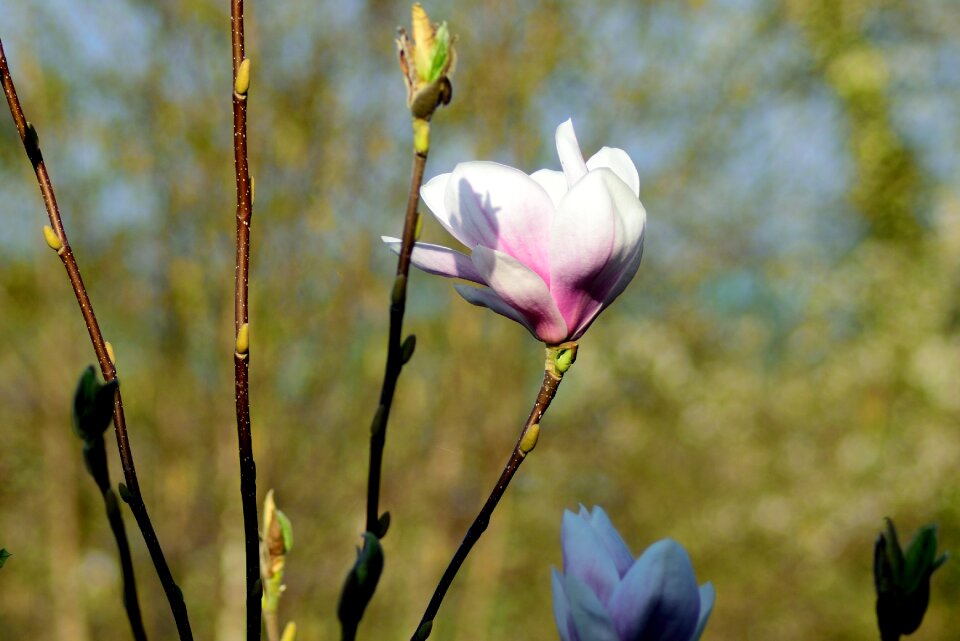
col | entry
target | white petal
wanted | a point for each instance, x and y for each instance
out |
(435, 259)
(523, 290)
(501, 208)
(553, 182)
(571, 159)
(617, 161)
(433, 194)
(590, 618)
(486, 297)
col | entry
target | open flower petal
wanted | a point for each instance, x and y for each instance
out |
(585, 556)
(435, 259)
(582, 245)
(523, 290)
(617, 161)
(553, 182)
(659, 596)
(571, 159)
(486, 297)
(631, 219)
(433, 194)
(502, 208)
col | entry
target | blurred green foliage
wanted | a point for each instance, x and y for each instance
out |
(781, 376)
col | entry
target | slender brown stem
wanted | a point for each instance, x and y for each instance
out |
(132, 491)
(528, 436)
(130, 601)
(241, 360)
(378, 432)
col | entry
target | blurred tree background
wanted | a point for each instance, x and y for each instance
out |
(782, 374)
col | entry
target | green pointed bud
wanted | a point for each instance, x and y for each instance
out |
(92, 405)
(4, 555)
(441, 53)
(406, 350)
(31, 142)
(286, 531)
(289, 632)
(361, 582)
(383, 524)
(566, 356)
(125, 494)
(902, 581)
(423, 632)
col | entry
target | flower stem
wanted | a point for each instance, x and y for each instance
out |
(131, 493)
(130, 601)
(378, 429)
(528, 439)
(241, 356)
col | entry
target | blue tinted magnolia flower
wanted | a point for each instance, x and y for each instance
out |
(606, 595)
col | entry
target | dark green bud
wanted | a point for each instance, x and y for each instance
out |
(406, 350)
(383, 524)
(424, 630)
(4, 555)
(902, 581)
(361, 582)
(92, 406)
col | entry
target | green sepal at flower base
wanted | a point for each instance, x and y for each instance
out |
(902, 580)
(4, 555)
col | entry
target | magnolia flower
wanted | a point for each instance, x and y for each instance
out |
(550, 250)
(606, 595)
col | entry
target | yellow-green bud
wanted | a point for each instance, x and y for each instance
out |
(289, 632)
(242, 82)
(110, 353)
(53, 241)
(243, 339)
(529, 439)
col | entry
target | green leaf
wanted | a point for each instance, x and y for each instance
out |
(92, 405)
(441, 52)
(286, 531)
(920, 556)
(4, 555)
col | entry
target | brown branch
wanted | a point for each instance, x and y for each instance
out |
(394, 365)
(131, 492)
(528, 439)
(241, 357)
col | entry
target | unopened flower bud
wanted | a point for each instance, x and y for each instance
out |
(53, 241)
(242, 82)
(427, 63)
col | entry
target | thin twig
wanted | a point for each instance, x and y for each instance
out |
(528, 436)
(378, 432)
(241, 357)
(130, 601)
(131, 494)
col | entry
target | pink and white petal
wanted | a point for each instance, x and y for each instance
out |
(584, 234)
(628, 250)
(625, 254)
(553, 182)
(435, 259)
(571, 159)
(523, 290)
(486, 297)
(617, 161)
(502, 208)
(434, 195)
